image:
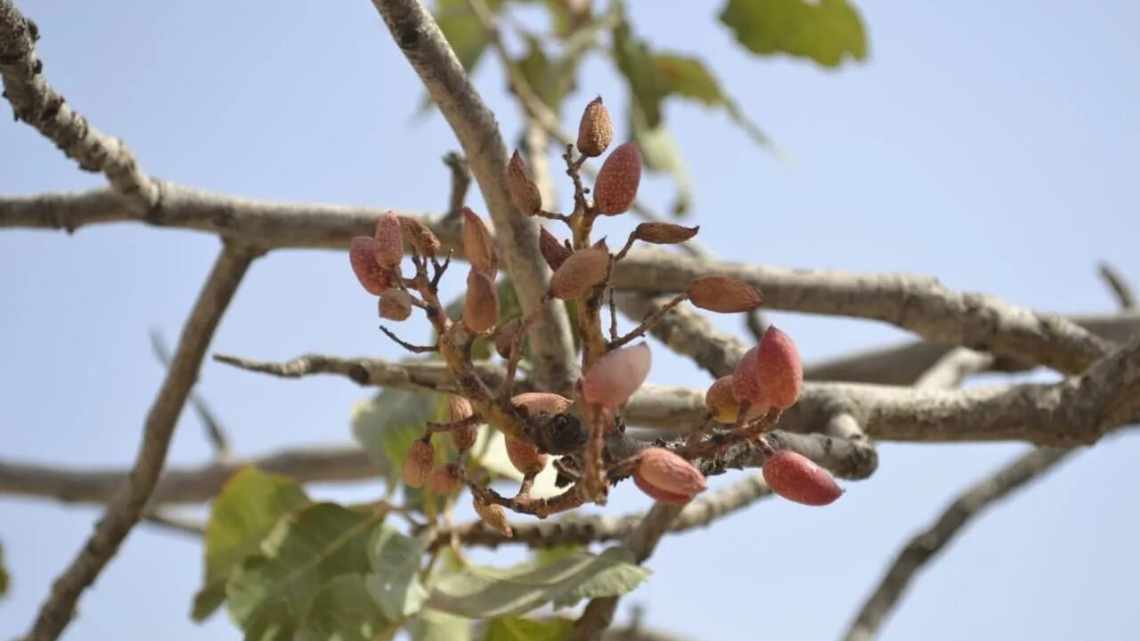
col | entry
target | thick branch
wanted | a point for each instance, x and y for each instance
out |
(921, 305)
(1059, 414)
(185, 485)
(903, 364)
(36, 103)
(419, 37)
(938, 535)
(265, 224)
(125, 509)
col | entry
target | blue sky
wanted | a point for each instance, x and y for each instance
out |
(992, 145)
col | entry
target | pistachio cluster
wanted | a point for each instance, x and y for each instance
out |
(576, 432)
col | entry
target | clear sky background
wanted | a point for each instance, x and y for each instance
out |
(993, 145)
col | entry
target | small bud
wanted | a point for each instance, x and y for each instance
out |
(616, 185)
(596, 130)
(480, 303)
(721, 401)
(445, 479)
(362, 256)
(418, 465)
(669, 477)
(664, 233)
(770, 375)
(459, 409)
(478, 245)
(581, 272)
(493, 516)
(420, 236)
(505, 336)
(524, 193)
(723, 294)
(389, 241)
(613, 378)
(525, 457)
(395, 304)
(552, 249)
(797, 478)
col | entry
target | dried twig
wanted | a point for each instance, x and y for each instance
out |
(125, 509)
(926, 544)
(215, 433)
(1119, 286)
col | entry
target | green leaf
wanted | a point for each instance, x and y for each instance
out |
(646, 84)
(521, 629)
(826, 31)
(660, 152)
(4, 580)
(271, 594)
(243, 514)
(343, 611)
(387, 424)
(689, 77)
(394, 582)
(463, 30)
(481, 592)
(433, 625)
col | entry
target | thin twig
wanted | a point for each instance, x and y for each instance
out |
(650, 321)
(415, 349)
(926, 544)
(1119, 286)
(215, 433)
(175, 523)
(124, 511)
(460, 182)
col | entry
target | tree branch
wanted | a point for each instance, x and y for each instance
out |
(1058, 414)
(36, 103)
(419, 37)
(938, 535)
(125, 509)
(921, 305)
(265, 224)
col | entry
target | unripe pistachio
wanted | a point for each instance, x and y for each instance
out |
(478, 244)
(770, 375)
(418, 465)
(658, 494)
(505, 335)
(525, 457)
(480, 303)
(664, 233)
(395, 304)
(553, 251)
(536, 403)
(613, 378)
(596, 129)
(797, 478)
(723, 294)
(721, 401)
(420, 236)
(673, 478)
(618, 179)
(524, 193)
(389, 241)
(582, 271)
(362, 255)
(494, 516)
(445, 479)
(459, 409)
